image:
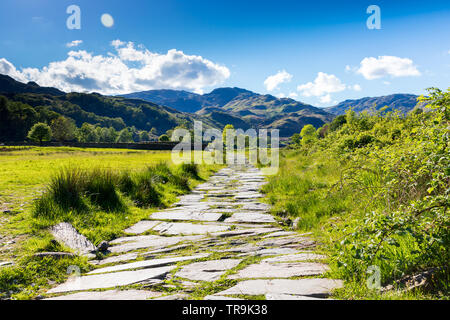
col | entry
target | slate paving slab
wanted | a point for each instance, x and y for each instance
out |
(69, 236)
(280, 234)
(5, 264)
(186, 215)
(303, 287)
(248, 232)
(111, 280)
(250, 217)
(147, 264)
(280, 270)
(142, 226)
(208, 270)
(109, 295)
(304, 256)
(188, 228)
(142, 242)
(255, 206)
(269, 252)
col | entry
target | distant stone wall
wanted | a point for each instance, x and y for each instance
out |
(134, 146)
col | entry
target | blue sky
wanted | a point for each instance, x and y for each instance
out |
(319, 52)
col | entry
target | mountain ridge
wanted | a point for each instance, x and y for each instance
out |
(401, 101)
(242, 108)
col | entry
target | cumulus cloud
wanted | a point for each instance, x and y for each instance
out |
(127, 69)
(325, 99)
(322, 85)
(74, 43)
(293, 95)
(275, 80)
(9, 69)
(356, 87)
(374, 68)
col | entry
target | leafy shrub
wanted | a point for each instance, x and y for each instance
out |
(387, 198)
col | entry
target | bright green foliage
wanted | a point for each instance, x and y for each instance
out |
(377, 189)
(63, 129)
(309, 135)
(124, 136)
(87, 133)
(40, 132)
(144, 136)
(164, 138)
(224, 133)
(295, 139)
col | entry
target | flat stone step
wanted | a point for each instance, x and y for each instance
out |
(180, 215)
(147, 264)
(301, 287)
(246, 232)
(208, 270)
(250, 217)
(269, 252)
(280, 270)
(111, 280)
(142, 226)
(304, 256)
(178, 228)
(109, 295)
(142, 242)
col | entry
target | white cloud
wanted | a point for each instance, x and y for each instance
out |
(356, 87)
(374, 68)
(9, 69)
(126, 70)
(293, 95)
(322, 85)
(325, 99)
(275, 80)
(74, 43)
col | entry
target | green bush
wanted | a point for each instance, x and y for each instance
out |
(386, 193)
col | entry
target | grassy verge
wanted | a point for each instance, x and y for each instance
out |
(374, 189)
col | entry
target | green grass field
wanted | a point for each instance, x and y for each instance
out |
(24, 177)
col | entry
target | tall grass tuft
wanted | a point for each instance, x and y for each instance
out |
(190, 169)
(100, 188)
(66, 189)
(144, 192)
(125, 182)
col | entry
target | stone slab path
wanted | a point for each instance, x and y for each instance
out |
(217, 243)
